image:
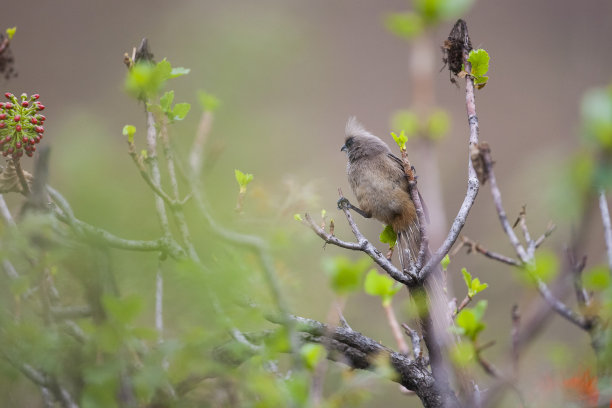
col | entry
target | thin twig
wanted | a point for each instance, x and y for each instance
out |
(549, 230)
(561, 308)
(6, 213)
(415, 339)
(196, 156)
(95, 234)
(514, 337)
(605, 217)
(474, 246)
(395, 329)
(497, 199)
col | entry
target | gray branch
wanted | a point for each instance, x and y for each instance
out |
(605, 217)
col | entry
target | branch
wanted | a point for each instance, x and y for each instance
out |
(473, 183)
(362, 245)
(474, 246)
(605, 217)
(359, 351)
(503, 218)
(98, 235)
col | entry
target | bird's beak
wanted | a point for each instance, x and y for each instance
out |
(343, 148)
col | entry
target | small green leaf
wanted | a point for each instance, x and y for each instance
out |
(380, 285)
(166, 101)
(345, 274)
(144, 154)
(463, 353)
(438, 124)
(469, 320)
(297, 217)
(597, 278)
(129, 130)
(243, 179)
(123, 310)
(405, 120)
(480, 65)
(180, 111)
(445, 262)
(323, 213)
(312, 354)
(404, 25)
(388, 236)
(473, 284)
(467, 278)
(546, 266)
(209, 102)
(401, 139)
(179, 71)
(10, 32)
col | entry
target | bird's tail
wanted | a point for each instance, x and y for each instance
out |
(408, 245)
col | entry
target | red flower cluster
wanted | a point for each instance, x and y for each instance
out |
(21, 125)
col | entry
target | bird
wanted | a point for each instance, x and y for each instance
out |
(379, 182)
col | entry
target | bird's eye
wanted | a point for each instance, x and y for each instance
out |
(349, 142)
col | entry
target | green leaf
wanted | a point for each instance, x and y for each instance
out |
(144, 154)
(597, 278)
(401, 139)
(407, 121)
(545, 267)
(596, 110)
(469, 320)
(345, 274)
(388, 236)
(178, 71)
(129, 130)
(312, 354)
(10, 32)
(323, 213)
(438, 124)
(380, 285)
(473, 284)
(166, 101)
(180, 111)
(480, 65)
(123, 310)
(243, 179)
(209, 102)
(463, 353)
(445, 262)
(404, 25)
(297, 217)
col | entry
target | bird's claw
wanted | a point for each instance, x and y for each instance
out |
(344, 204)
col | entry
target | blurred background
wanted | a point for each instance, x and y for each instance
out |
(288, 75)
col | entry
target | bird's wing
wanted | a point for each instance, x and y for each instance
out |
(400, 164)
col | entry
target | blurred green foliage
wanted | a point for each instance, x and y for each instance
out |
(382, 286)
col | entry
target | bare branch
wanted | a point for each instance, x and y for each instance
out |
(605, 217)
(395, 329)
(362, 245)
(514, 335)
(561, 308)
(549, 230)
(6, 213)
(474, 246)
(497, 199)
(416, 341)
(473, 183)
(98, 235)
